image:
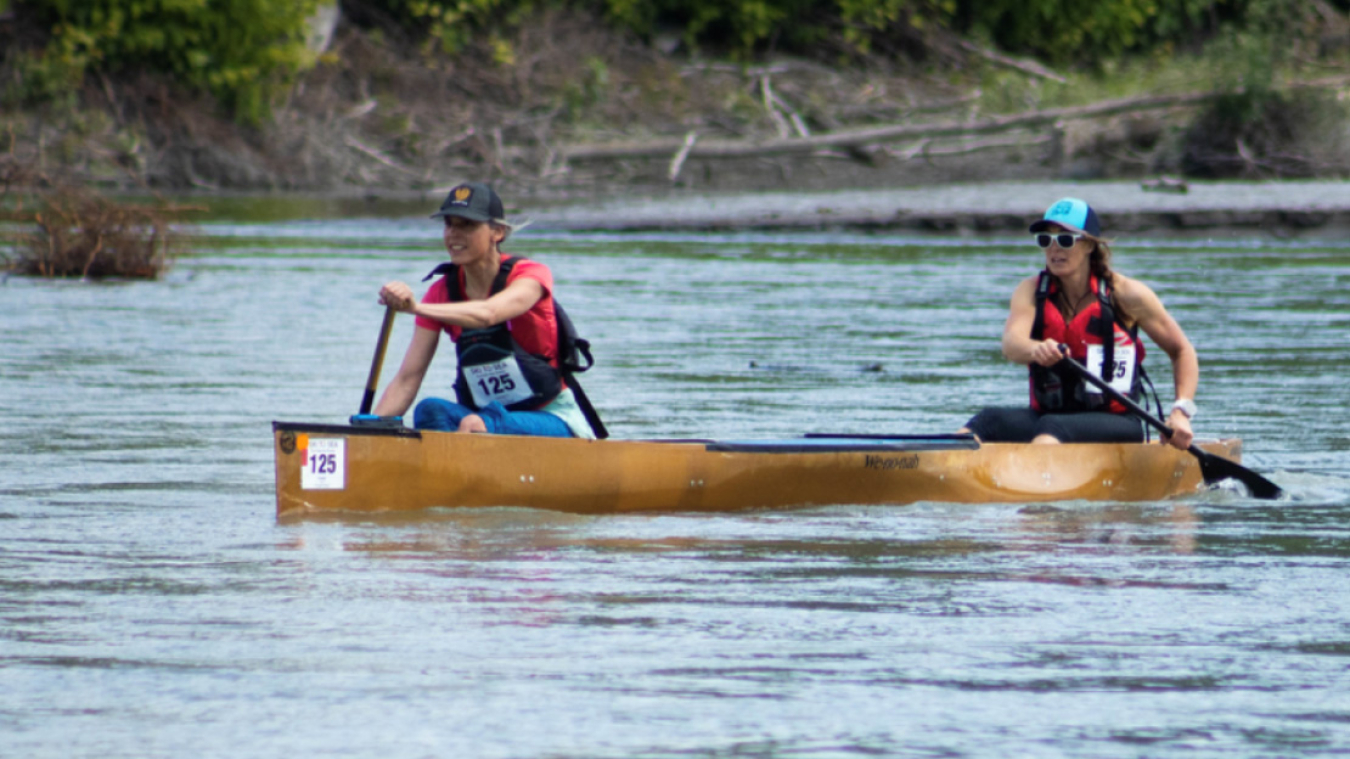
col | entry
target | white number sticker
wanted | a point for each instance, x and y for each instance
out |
(500, 381)
(1122, 374)
(323, 465)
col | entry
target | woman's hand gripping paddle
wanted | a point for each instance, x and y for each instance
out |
(365, 418)
(1213, 468)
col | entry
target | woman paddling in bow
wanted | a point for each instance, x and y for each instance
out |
(499, 311)
(1078, 302)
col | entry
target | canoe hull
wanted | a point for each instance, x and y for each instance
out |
(323, 468)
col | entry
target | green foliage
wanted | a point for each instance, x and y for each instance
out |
(1267, 134)
(735, 25)
(1255, 128)
(744, 27)
(588, 88)
(241, 51)
(40, 78)
(1065, 31)
(862, 18)
(740, 26)
(244, 51)
(1176, 19)
(447, 26)
(1059, 31)
(1097, 33)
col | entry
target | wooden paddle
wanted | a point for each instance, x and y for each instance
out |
(374, 380)
(1213, 468)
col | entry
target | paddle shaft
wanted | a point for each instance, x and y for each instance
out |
(1213, 468)
(373, 381)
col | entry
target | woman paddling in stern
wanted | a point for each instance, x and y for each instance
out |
(1079, 302)
(499, 311)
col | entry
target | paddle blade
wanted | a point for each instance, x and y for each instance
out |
(1216, 469)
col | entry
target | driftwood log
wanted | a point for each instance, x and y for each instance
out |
(680, 149)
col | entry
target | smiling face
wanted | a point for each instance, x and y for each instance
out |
(469, 242)
(1066, 262)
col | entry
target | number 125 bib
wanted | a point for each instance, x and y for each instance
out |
(1120, 377)
(501, 381)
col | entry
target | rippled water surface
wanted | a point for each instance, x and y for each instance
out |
(151, 605)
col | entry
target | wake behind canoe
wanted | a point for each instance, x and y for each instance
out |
(338, 468)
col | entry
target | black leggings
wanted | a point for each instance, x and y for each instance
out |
(1021, 425)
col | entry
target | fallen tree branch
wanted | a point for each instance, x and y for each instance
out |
(678, 161)
(1026, 67)
(361, 147)
(927, 149)
(855, 138)
(766, 92)
(777, 106)
(858, 137)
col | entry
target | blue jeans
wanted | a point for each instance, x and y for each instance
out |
(440, 414)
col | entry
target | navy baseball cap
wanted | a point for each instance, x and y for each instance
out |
(474, 201)
(1071, 213)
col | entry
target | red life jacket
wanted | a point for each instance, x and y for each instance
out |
(1096, 338)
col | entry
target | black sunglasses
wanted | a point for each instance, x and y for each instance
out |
(1064, 239)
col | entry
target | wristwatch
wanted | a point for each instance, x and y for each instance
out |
(1186, 406)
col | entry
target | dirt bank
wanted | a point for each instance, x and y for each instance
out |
(379, 116)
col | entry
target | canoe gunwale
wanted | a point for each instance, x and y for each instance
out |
(811, 442)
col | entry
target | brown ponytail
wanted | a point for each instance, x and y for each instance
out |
(1100, 262)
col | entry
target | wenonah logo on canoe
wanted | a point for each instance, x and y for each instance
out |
(891, 462)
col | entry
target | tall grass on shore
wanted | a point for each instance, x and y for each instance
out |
(57, 228)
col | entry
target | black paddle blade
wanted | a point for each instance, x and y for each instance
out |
(1213, 468)
(1216, 469)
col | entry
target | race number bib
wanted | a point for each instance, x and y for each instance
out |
(323, 464)
(500, 381)
(1120, 377)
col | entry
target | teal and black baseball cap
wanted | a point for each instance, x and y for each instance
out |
(1071, 213)
(474, 201)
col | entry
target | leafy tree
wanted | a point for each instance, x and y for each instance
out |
(745, 26)
(241, 51)
(1086, 31)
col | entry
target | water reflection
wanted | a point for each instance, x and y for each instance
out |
(537, 556)
(1173, 527)
(481, 534)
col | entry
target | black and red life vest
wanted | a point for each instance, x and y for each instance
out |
(494, 366)
(1097, 338)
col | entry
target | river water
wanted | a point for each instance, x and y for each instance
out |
(152, 606)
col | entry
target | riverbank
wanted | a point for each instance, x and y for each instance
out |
(1281, 209)
(378, 117)
(644, 139)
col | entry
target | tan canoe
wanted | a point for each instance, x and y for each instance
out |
(329, 468)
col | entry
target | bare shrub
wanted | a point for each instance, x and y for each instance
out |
(60, 229)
